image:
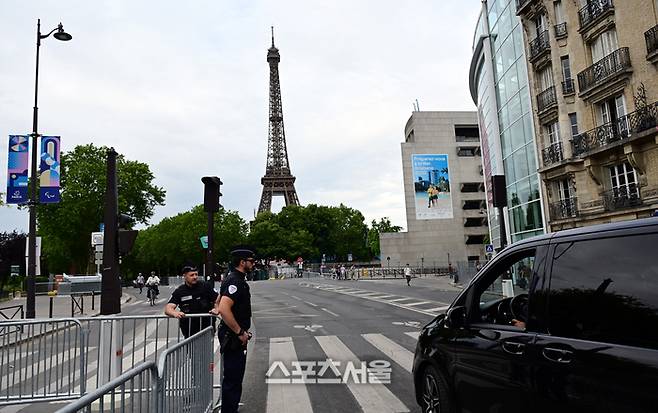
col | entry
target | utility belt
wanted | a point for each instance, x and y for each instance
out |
(228, 340)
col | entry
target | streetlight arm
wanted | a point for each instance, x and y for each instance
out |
(43, 36)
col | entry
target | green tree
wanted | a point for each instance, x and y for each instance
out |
(174, 241)
(66, 227)
(376, 228)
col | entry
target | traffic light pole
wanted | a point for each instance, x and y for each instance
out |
(210, 267)
(211, 196)
(110, 285)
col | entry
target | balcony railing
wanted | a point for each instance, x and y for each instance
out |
(565, 208)
(622, 128)
(622, 197)
(592, 11)
(651, 36)
(546, 99)
(467, 138)
(539, 44)
(614, 63)
(568, 87)
(561, 30)
(552, 154)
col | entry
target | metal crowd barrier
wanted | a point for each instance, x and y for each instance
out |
(50, 360)
(176, 385)
(26, 375)
(183, 370)
(10, 313)
(133, 391)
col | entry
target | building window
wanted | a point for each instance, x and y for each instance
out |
(623, 179)
(540, 24)
(563, 189)
(472, 187)
(559, 13)
(553, 133)
(545, 78)
(573, 121)
(611, 115)
(467, 134)
(603, 45)
(568, 86)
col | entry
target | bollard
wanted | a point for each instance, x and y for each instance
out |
(93, 298)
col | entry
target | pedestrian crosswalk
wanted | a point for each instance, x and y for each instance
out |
(336, 362)
(428, 307)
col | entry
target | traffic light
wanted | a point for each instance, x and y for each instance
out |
(126, 236)
(211, 193)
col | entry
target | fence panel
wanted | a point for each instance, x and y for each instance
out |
(133, 391)
(41, 360)
(186, 375)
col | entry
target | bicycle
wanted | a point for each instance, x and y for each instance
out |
(152, 294)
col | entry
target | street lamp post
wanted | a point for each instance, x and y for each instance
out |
(32, 243)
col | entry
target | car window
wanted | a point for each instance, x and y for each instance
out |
(606, 290)
(508, 279)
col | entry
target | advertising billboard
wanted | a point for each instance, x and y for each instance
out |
(431, 184)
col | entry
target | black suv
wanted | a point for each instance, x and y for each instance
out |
(564, 322)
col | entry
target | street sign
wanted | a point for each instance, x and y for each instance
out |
(15, 269)
(101, 227)
(204, 241)
(99, 255)
(98, 248)
(96, 238)
(489, 249)
(349, 257)
(98, 262)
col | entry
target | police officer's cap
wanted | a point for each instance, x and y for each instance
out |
(243, 251)
(188, 268)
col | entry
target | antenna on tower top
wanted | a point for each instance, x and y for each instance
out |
(272, 35)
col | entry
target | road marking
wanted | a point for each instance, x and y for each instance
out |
(401, 299)
(296, 298)
(310, 328)
(373, 398)
(286, 397)
(331, 312)
(393, 350)
(311, 304)
(438, 309)
(384, 296)
(418, 303)
(413, 334)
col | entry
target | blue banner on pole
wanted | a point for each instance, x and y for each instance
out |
(50, 170)
(17, 169)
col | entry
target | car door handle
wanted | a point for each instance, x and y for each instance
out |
(557, 355)
(513, 348)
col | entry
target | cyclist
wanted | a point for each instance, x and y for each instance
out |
(152, 284)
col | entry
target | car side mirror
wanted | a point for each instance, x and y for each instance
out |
(456, 317)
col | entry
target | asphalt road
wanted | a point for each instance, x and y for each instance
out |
(301, 323)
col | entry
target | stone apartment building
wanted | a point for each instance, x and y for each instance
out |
(593, 69)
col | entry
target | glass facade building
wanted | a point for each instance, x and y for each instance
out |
(500, 88)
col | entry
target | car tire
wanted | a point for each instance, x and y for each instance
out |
(435, 396)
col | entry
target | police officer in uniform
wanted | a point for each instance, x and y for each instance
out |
(234, 306)
(192, 297)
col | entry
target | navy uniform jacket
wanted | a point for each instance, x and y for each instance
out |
(236, 288)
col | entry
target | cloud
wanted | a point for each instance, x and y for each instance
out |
(184, 88)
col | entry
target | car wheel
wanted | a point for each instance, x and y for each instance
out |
(435, 397)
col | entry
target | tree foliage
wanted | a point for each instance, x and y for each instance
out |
(66, 227)
(310, 232)
(376, 228)
(174, 241)
(12, 252)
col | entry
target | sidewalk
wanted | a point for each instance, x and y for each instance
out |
(61, 305)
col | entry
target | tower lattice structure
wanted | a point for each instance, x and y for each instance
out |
(278, 181)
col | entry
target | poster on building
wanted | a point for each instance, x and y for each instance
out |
(50, 170)
(431, 181)
(17, 169)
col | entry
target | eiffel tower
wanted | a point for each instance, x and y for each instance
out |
(278, 181)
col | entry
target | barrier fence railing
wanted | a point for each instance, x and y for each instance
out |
(175, 384)
(12, 312)
(48, 360)
(185, 368)
(26, 375)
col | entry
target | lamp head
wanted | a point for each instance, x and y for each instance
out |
(61, 34)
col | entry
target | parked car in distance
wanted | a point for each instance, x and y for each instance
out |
(563, 322)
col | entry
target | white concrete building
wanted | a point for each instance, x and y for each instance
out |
(444, 193)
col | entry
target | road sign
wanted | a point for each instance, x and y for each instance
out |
(15, 269)
(98, 262)
(98, 248)
(96, 238)
(349, 257)
(99, 255)
(204, 241)
(101, 227)
(489, 249)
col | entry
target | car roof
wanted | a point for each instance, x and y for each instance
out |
(592, 229)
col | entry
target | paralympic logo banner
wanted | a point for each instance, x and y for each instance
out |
(50, 170)
(17, 169)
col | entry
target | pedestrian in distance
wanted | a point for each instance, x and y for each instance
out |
(192, 297)
(234, 306)
(407, 274)
(140, 282)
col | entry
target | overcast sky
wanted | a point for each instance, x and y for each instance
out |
(183, 86)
